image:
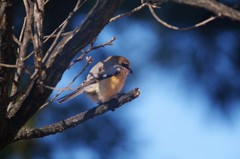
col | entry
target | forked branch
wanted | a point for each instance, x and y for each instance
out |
(219, 9)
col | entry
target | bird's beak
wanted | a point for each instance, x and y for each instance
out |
(130, 71)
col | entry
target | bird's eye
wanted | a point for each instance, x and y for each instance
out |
(125, 65)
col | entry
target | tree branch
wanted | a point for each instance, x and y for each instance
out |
(3, 6)
(7, 56)
(77, 119)
(66, 87)
(175, 27)
(62, 27)
(128, 13)
(25, 38)
(212, 5)
(38, 39)
(84, 53)
(60, 59)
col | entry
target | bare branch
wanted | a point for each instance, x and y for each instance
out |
(67, 87)
(18, 99)
(212, 5)
(128, 13)
(28, 56)
(38, 27)
(84, 53)
(109, 43)
(46, 1)
(3, 9)
(77, 119)
(38, 39)
(62, 28)
(16, 40)
(58, 89)
(25, 38)
(53, 35)
(175, 27)
(60, 59)
(7, 57)
(8, 65)
(22, 30)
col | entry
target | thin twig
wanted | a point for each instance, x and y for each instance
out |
(28, 56)
(46, 2)
(59, 89)
(21, 39)
(218, 8)
(25, 37)
(38, 39)
(8, 65)
(67, 87)
(53, 35)
(128, 13)
(62, 28)
(84, 53)
(178, 28)
(109, 43)
(23, 29)
(16, 40)
(3, 7)
(205, 21)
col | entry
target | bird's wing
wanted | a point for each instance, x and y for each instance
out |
(102, 71)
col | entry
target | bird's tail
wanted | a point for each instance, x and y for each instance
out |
(71, 95)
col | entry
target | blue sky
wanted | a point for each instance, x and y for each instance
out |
(178, 124)
(171, 119)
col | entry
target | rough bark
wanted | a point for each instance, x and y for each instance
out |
(7, 56)
(58, 62)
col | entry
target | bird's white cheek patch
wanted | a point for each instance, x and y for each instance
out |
(118, 69)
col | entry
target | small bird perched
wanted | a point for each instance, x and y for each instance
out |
(104, 81)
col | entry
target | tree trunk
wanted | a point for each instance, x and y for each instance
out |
(7, 56)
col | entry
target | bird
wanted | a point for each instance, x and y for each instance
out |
(104, 81)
